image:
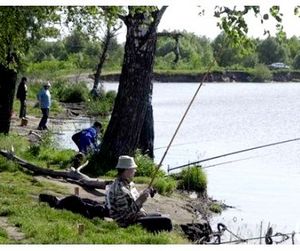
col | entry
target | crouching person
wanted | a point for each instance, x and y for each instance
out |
(125, 203)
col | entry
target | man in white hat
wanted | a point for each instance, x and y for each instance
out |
(44, 98)
(125, 203)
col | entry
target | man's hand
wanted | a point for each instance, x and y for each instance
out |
(143, 197)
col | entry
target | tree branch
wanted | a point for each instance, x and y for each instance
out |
(74, 175)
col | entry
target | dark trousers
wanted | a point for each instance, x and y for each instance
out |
(43, 122)
(90, 209)
(22, 113)
(155, 223)
(86, 207)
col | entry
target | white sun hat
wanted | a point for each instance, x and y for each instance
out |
(126, 162)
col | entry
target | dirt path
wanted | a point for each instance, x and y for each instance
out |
(12, 231)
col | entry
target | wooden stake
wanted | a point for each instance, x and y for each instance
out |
(80, 228)
(76, 191)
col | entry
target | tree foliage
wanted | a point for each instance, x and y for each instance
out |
(270, 51)
(232, 22)
(21, 26)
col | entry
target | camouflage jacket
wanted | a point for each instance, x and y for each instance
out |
(120, 199)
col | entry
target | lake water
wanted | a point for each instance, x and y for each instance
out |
(263, 185)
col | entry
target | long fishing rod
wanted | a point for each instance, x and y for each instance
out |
(183, 117)
(228, 162)
(182, 144)
(232, 153)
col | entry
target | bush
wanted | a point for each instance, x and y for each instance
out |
(215, 208)
(262, 73)
(146, 166)
(48, 68)
(193, 178)
(70, 93)
(165, 185)
(103, 104)
(296, 62)
(7, 165)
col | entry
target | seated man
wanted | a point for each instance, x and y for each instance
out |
(125, 203)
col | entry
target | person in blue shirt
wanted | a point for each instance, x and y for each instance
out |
(86, 140)
(44, 98)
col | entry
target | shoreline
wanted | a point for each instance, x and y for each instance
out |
(215, 76)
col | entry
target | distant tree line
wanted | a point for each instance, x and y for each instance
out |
(77, 51)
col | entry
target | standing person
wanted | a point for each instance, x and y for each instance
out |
(21, 95)
(86, 140)
(44, 98)
(125, 202)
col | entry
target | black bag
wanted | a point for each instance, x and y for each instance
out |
(155, 223)
(76, 138)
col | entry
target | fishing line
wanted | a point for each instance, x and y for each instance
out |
(236, 152)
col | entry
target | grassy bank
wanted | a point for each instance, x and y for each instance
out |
(44, 225)
(41, 224)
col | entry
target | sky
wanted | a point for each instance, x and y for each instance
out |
(183, 14)
(185, 17)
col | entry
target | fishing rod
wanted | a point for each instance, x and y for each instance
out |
(228, 162)
(232, 153)
(183, 117)
(182, 144)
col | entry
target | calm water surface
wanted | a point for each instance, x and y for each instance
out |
(263, 185)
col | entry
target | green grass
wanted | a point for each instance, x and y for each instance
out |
(41, 224)
(215, 208)
(44, 225)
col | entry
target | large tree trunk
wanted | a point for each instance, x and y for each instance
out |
(133, 100)
(8, 80)
(146, 141)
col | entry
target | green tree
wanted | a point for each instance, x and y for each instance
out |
(293, 45)
(224, 53)
(270, 51)
(195, 52)
(131, 123)
(296, 62)
(20, 26)
(76, 42)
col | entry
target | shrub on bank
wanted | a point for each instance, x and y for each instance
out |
(193, 178)
(215, 208)
(146, 166)
(70, 93)
(261, 73)
(101, 105)
(165, 185)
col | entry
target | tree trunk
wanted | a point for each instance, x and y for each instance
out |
(146, 141)
(108, 36)
(133, 100)
(8, 80)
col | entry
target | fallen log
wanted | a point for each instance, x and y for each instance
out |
(74, 175)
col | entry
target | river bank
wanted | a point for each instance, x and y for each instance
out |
(183, 207)
(215, 76)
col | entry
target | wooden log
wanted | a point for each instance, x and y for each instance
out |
(72, 175)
